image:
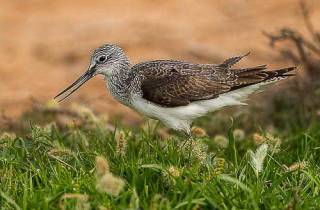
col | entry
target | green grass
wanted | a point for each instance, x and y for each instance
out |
(37, 169)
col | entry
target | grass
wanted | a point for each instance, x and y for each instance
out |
(52, 168)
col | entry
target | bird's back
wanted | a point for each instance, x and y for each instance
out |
(165, 68)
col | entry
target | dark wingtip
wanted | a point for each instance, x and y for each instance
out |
(288, 75)
(290, 69)
(283, 71)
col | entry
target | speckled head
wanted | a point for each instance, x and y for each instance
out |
(106, 60)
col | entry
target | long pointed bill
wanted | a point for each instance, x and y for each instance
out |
(76, 85)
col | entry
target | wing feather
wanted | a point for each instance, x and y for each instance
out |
(173, 83)
(178, 83)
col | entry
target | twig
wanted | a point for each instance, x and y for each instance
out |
(61, 161)
(307, 20)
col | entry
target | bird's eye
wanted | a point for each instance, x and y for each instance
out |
(102, 58)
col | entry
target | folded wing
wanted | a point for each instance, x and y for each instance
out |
(177, 83)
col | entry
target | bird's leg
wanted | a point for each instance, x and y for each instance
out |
(188, 139)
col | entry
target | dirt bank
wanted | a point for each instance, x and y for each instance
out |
(44, 45)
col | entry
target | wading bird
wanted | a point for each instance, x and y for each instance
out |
(175, 92)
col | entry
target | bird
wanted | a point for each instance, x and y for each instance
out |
(173, 91)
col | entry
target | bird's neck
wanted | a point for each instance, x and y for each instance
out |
(118, 81)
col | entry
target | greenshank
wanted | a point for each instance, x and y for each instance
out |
(172, 91)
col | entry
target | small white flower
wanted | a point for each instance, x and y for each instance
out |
(102, 166)
(110, 184)
(221, 141)
(106, 181)
(238, 134)
(258, 157)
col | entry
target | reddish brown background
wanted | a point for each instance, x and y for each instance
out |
(45, 45)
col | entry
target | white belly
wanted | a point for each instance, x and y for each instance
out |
(180, 118)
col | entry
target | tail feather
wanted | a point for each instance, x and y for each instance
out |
(279, 73)
(255, 68)
(258, 74)
(284, 70)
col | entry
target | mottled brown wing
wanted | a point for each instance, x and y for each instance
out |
(180, 90)
(177, 83)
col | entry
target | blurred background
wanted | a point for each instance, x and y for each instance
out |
(45, 45)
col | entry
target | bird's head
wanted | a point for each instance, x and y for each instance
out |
(105, 60)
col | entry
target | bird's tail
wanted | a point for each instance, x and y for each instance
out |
(259, 74)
